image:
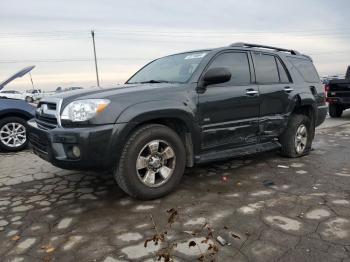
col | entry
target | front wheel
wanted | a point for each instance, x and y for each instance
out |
(152, 162)
(13, 134)
(297, 138)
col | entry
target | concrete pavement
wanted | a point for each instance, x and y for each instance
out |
(265, 207)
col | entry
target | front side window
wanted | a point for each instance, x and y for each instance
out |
(173, 69)
(265, 69)
(237, 63)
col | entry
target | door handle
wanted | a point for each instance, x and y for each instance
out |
(251, 92)
(288, 89)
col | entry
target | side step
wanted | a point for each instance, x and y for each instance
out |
(237, 152)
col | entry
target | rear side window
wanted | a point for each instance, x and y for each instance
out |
(306, 69)
(237, 63)
(266, 69)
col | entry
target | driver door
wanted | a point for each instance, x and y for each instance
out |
(229, 112)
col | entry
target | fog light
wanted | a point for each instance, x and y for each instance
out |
(76, 151)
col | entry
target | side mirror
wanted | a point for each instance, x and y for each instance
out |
(216, 75)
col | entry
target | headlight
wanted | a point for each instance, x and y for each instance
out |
(83, 110)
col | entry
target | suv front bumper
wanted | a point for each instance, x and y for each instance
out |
(74, 148)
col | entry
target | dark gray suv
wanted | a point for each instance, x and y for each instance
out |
(182, 110)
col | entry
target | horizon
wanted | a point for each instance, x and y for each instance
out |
(55, 36)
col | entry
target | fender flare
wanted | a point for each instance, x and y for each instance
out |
(16, 112)
(144, 112)
(304, 99)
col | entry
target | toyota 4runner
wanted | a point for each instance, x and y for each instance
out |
(182, 110)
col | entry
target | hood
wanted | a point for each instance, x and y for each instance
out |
(122, 90)
(127, 95)
(20, 73)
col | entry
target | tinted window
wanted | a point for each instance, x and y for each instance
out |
(283, 74)
(306, 69)
(238, 65)
(265, 69)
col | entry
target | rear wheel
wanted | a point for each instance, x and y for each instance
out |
(152, 162)
(13, 134)
(297, 138)
(335, 110)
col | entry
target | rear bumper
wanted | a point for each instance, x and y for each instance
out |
(59, 146)
(321, 114)
(339, 100)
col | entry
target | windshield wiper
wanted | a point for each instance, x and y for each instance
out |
(154, 81)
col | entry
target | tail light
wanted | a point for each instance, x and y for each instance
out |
(326, 88)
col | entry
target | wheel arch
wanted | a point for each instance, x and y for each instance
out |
(181, 127)
(20, 114)
(178, 120)
(306, 105)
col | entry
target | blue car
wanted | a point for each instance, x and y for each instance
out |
(14, 115)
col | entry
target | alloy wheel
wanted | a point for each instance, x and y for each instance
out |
(301, 139)
(155, 163)
(13, 135)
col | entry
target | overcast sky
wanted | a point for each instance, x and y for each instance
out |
(55, 35)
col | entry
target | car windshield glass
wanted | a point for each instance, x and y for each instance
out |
(171, 69)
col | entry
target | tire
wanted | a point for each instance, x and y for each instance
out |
(133, 180)
(5, 127)
(291, 136)
(335, 110)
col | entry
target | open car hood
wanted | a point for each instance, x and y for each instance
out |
(21, 73)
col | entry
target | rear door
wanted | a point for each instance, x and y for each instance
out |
(229, 111)
(275, 88)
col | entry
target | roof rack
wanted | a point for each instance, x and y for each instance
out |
(239, 44)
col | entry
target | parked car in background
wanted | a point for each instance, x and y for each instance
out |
(338, 95)
(60, 89)
(12, 94)
(33, 95)
(14, 114)
(73, 88)
(182, 110)
(325, 79)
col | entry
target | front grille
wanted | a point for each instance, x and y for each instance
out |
(45, 125)
(46, 116)
(48, 119)
(51, 106)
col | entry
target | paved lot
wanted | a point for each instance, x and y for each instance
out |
(266, 207)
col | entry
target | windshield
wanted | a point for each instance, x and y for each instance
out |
(171, 69)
